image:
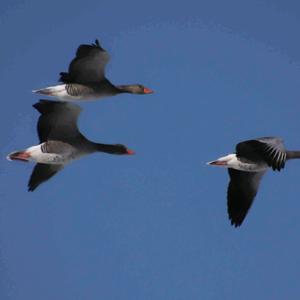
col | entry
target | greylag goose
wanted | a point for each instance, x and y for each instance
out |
(246, 168)
(60, 142)
(86, 78)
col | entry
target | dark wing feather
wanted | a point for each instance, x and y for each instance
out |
(241, 192)
(88, 66)
(58, 121)
(41, 173)
(268, 149)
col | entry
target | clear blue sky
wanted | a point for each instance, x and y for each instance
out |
(153, 225)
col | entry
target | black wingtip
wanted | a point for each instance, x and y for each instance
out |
(236, 220)
(31, 188)
(236, 224)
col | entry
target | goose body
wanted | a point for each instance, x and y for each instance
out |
(60, 142)
(75, 91)
(86, 80)
(246, 168)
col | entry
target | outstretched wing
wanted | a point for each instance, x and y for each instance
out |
(41, 173)
(268, 149)
(58, 121)
(241, 192)
(88, 66)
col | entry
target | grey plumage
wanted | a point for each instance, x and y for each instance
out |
(267, 149)
(246, 168)
(243, 186)
(58, 133)
(88, 66)
(86, 79)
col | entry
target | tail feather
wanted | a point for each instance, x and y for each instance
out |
(19, 155)
(45, 91)
(56, 90)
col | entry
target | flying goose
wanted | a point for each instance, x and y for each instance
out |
(60, 142)
(86, 78)
(247, 167)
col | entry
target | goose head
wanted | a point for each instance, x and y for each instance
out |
(135, 89)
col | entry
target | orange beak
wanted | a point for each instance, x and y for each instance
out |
(130, 152)
(148, 91)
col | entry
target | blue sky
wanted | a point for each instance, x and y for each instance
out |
(153, 225)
